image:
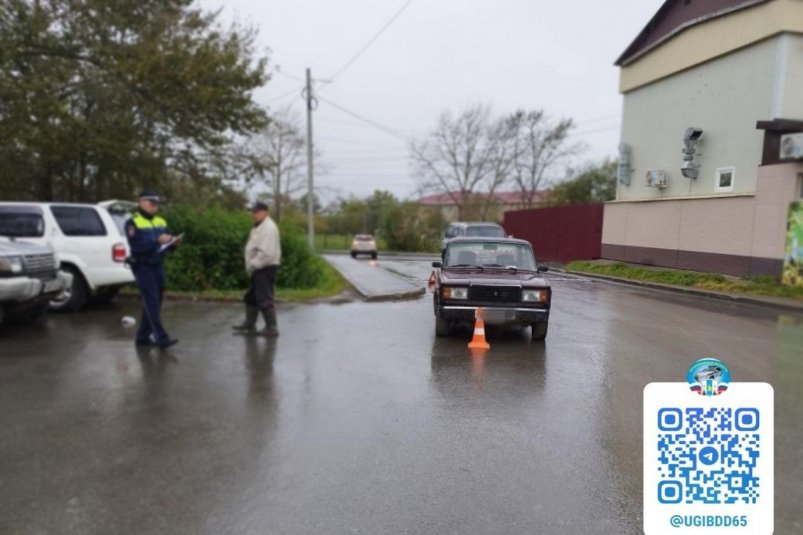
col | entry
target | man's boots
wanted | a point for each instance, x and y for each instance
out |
(270, 329)
(250, 323)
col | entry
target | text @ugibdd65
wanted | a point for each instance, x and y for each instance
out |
(708, 521)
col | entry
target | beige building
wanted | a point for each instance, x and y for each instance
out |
(711, 90)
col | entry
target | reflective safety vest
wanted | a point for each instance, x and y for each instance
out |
(143, 223)
(143, 238)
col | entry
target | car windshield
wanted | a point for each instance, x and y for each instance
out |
(485, 231)
(21, 224)
(364, 238)
(490, 254)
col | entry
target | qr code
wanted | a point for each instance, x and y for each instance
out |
(708, 455)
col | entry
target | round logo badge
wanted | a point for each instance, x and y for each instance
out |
(708, 377)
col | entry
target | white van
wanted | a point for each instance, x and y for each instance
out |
(89, 245)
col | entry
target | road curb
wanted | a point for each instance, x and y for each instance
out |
(399, 296)
(386, 254)
(697, 292)
(374, 297)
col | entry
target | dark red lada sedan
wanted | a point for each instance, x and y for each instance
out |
(500, 275)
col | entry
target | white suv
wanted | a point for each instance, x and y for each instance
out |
(89, 245)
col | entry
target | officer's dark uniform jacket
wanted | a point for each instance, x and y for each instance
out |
(143, 231)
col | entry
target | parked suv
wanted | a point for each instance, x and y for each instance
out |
(472, 230)
(29, 274)
(88, 243)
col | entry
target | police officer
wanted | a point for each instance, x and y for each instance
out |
(263, 252)
(147, 233)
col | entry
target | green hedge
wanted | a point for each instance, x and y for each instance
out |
(211, 256)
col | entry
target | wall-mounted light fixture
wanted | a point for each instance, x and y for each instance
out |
(691, 141)
(624, 170)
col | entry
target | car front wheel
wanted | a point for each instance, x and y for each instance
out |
(540, 330)
(442, 327)
(74, 297)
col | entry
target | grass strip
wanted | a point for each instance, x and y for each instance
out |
(766, 286)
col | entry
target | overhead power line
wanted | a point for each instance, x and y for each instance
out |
(376, 125)
(292, 77)
(295, 90)
(370, 41)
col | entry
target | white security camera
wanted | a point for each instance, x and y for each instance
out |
(690, 170)
(692, 134)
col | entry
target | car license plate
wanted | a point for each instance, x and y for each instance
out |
(52, 286)
(498, 316)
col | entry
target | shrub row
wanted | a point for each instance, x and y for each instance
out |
(211, 256)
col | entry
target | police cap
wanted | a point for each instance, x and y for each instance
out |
(150, 196)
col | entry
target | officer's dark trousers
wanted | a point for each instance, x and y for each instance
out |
(260, 293)
(151, 283)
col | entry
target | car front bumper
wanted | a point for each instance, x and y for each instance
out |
(493, 315)
(23, 288)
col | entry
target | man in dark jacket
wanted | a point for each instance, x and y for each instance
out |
(147, 237)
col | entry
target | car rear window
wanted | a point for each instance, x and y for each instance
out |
(120, 213)
(487, 231)
(451, 232)
(120, 221)
(364, 238)
(21, 222)
(78, 221)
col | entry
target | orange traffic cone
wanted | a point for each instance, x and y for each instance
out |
(478, 341)
(431, 282)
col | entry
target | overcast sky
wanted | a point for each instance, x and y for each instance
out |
(437, 55)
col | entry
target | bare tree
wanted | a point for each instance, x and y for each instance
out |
(277, 155)
(464, 157)
(540, 145)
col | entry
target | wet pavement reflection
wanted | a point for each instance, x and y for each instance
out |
(359, 419)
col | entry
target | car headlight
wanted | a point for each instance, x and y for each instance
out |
(535, 296)
(10, 264)
(455, 293)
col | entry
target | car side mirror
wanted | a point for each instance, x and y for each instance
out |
(437, 264)
(543, 269)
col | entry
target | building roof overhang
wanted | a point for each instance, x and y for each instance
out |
(675, 16)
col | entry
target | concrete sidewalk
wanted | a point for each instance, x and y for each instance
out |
(371, 281)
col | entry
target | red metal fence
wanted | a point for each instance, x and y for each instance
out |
(559, 233)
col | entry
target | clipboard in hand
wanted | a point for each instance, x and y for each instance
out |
(171, 243)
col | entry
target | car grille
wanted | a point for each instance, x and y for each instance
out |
(495, 294)
(38, 262)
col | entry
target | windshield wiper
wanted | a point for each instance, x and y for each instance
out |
(514, 268)
(465, 266)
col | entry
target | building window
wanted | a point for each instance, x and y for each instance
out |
(800, 186)
(726, 177)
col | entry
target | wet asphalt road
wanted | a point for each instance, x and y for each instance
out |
(359, 420)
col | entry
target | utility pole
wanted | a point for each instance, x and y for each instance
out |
(310, 185)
